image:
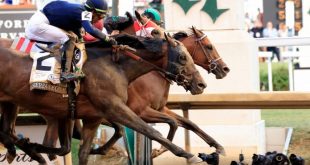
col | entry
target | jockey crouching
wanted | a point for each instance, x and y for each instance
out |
(48, 25)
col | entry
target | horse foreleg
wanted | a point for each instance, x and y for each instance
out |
(118, 133)
(189, 125)
(150, 115)
(9, 144)
(89, 131)
(65, 129)
(122, 114)
(50, 137)
(77, 130)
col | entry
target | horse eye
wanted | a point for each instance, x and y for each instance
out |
(182, 59)
(209, 47)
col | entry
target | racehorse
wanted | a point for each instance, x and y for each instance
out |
(103, 93)
(148, 99)
(149, 102)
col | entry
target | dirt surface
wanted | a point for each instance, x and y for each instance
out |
(114, 157)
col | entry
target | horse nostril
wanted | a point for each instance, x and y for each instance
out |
(226, 69)
(202, 85)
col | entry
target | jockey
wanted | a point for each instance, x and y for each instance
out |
(154, 15)
(48, 25)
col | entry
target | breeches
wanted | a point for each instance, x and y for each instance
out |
(39, 29)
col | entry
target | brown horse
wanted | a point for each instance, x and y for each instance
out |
(148, 99)
(103, 92)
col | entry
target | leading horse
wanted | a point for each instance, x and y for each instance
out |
(103, 92)
(148, 101)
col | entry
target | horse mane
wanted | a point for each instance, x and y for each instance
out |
(118, 22)
(153, 45)
(179, 35)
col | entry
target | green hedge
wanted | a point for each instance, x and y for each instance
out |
(279, 76)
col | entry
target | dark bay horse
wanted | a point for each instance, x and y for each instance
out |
(103, 92)
(148, 99)
(149, 102)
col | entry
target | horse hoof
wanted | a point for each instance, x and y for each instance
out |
(55, 162)
(10, 158)
(194, 160)
(155, 153)
(220, 150)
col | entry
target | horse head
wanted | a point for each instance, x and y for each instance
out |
(203, 52)
(181, 64)
(118, 23)
(169, 54)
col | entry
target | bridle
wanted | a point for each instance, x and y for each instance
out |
(170, 71)
(213, 63)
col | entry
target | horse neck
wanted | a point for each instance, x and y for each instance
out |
(6, 43)
(134, 69)
(190, 43)
(129, 30)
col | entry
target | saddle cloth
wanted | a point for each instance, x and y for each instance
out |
(45, 73)
(24, 45)
(46, 69)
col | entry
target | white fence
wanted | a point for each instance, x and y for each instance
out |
(290, 55)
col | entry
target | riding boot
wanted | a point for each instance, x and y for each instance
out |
(66, 63)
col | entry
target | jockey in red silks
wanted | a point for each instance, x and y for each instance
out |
(88, 37)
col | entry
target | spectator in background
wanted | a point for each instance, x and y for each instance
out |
(260, 17)
(283, 32)
(248, 22)
(271, 32)
(257, 30)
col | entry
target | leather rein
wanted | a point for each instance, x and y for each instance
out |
(178, 78)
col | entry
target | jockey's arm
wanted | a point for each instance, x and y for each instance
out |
(89, 28)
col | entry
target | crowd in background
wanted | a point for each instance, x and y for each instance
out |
(257, 29)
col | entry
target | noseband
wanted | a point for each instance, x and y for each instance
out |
(212, 62)
(179, 78)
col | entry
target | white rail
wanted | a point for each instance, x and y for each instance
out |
(278, 42)
(283, 41)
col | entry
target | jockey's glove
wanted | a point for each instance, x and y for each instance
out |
(111, 40)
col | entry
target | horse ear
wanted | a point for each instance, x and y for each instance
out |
(166, 37)
(194, 30)
(138, 15)
(169, 40)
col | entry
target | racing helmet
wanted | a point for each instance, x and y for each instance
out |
(100, 6)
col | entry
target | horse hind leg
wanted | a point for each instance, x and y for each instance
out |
(123, 115)
(7, 130)
(189, 125)
(118, 133)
